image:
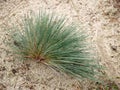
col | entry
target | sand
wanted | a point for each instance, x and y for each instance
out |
(98, 17)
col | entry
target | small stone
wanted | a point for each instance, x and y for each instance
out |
(114, 48)
(14, 71)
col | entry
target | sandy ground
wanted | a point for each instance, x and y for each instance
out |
(98, 17)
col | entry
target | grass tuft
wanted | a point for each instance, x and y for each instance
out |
(49, 39)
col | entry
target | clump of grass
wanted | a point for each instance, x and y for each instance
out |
(49, 39)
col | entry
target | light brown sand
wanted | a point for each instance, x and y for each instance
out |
(98, 17)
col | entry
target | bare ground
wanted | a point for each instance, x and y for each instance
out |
(99, 18)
